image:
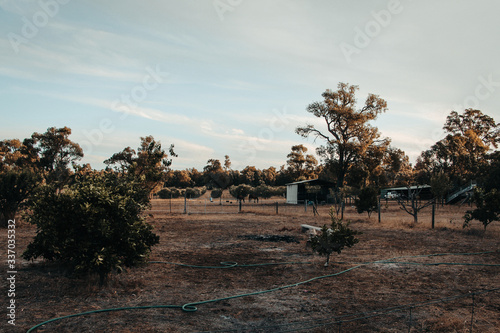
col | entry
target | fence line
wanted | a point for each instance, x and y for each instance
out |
(340, 322)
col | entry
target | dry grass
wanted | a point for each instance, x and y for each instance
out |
(45, 292)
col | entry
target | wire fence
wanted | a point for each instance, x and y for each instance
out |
(461, 313)
(233, 206)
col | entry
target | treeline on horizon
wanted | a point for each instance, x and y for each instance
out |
(353, 155)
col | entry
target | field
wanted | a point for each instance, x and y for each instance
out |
(354, 294)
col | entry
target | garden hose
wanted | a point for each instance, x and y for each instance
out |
(192, 307)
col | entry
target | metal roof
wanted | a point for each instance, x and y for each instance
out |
(406, 188)
(317, 180)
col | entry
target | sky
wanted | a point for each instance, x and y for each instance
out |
(235, 77)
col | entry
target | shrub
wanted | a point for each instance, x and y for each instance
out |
(195, 192)
(333, 238)
(93, 225)
(367, 200)
(242, 190)
(488, 207)
(216, 193)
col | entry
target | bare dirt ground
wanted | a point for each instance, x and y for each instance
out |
(44, 291)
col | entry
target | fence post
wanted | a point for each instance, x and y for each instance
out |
(433, 213)
(185, 202)
(276, 207)
(472, 314)
(305, 206)
(378, 209)
(409, 323)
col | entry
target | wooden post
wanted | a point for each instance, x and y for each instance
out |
(305, 206)
(276, 207)
(433, 213)
(379, 210)
(170, 202)
(185, 202)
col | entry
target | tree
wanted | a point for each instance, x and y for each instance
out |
(16, 185)
(333, 238)
(487, 207)
(56, 152)
(250, 175)
(348, 134)
(397, 167)
(367, 200)
(149, 165)
(440, 185)
(227, 163)
(412, 204)
(93, 226)
(487, 197)
(462, 153)
(19, 176)
(300, 165)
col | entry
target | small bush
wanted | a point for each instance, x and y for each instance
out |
(216, 193)
(333, 238)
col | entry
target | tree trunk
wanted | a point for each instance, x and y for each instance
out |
(5, 216)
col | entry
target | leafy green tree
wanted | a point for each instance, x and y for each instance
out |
(93, 226)
(397, 168)
(367, 200)
(348, 133)
(440, 185)
(463, 152)
(301, 165)
(333, 238)
(57, 152)
(487, 197)
(16, 185)
(19, 176)
(487, 207)
(240, 191)
(149, 165)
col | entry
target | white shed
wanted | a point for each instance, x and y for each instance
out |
(292, 191)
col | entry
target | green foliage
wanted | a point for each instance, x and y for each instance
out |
(440, 185)
(240, 190)
(172, 192)
(149, 165)
(367, 200)
(348, 133)
(15, 187)
(216, 193)
(333, 238)
(265, 191)
(488, 207)
(93, 225)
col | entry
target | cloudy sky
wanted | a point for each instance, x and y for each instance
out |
(234, 77)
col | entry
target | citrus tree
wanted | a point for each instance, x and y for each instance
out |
(333, 238)
(93, 225)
